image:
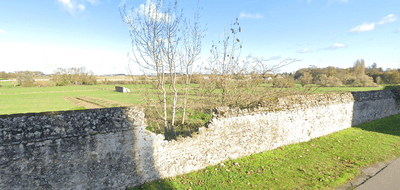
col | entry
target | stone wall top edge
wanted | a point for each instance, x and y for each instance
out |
(60, 112)
(361, 96)
(37, 127)
(303, 102)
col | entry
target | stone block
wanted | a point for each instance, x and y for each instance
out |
(122, 89)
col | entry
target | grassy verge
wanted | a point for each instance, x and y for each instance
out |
(322, 163)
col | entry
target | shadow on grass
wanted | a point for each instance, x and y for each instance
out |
(388, 125)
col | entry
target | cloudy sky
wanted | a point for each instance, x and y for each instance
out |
(45, 35)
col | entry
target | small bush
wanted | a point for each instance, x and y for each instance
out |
(283, 83)
(391, 76)
(378, 80)
(41, 84)
(74, 76)
(266, 81)
(334, 82)
(197, 78)
(104, 81)
(361, 81)
(25, 78)
(117, 82)
(322, 80)
(305, 79)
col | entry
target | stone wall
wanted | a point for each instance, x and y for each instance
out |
(111, 149)
(235, 133)
(373, 105)
(89, 149)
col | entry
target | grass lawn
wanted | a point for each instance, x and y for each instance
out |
(33, 99)
(322, 163)
(346, 89)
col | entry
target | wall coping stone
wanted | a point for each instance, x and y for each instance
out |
(305, 102)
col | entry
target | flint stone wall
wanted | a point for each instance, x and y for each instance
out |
(89, 149)
(234, 133)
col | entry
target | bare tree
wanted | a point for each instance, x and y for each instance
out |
(163, 41)
(224, 61)
(191, 49)
(235, 77)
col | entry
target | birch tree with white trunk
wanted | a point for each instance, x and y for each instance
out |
(164, 42)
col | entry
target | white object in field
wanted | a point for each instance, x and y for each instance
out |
(122, 89)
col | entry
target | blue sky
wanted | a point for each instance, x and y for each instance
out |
(45, 35)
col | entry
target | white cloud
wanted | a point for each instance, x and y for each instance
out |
(388, 19)
(304, 51)
(81, 7)
(146, 8)
(92, 1)
(370, 26)
(67, 5)
(335, 46)
(249, 15)
(363, 27)
(3, 32)
(72, 7)
(275, 58)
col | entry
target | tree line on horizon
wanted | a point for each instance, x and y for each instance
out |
(61, 77)
(359, 75)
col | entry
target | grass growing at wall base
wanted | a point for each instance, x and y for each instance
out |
(321, 163)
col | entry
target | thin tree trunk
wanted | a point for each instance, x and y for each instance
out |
(185, 99)
(162, 81)
(175, 100)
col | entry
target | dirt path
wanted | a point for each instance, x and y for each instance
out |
(103, 102)
(92, 102)
(81, 103)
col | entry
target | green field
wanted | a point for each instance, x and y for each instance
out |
(41, 99)
(33, 99)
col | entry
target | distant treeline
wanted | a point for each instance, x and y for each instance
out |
(13, 75)
(61, 77)
(358, 76)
